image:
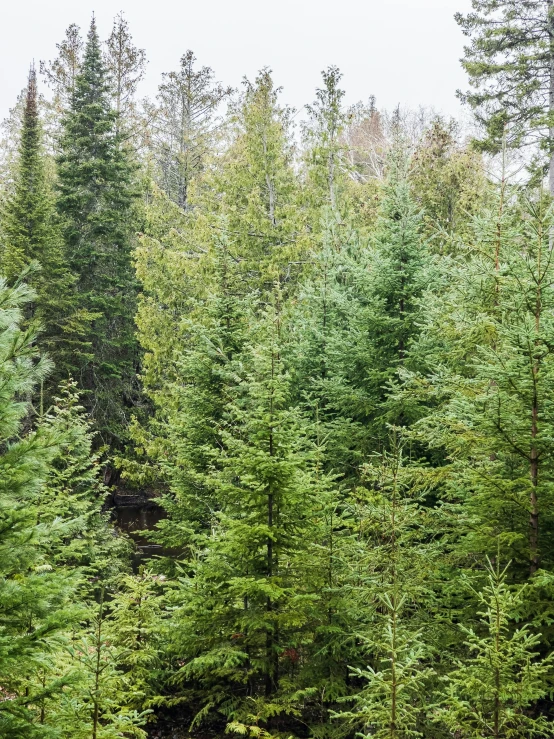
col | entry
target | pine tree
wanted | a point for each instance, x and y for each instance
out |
(95, 203)
(185, 123)
(510, 65)
(61, 75)
(125, 65)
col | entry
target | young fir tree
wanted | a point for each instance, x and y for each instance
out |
(186, 435)
(511, 67)
(490, 376)
(98, 705)
(95, 204)
(81, 543)
(137, 627)
(32, 243)
(395, 587)
(331, 312)
(38, 599)
(500, 677)
(244, 605)
(73, 499)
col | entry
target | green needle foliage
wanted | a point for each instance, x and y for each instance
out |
(95, 203)
(32, 243)
(510, 66)
(36, 596)
(397, 591)
(489, 692)
(328, 372)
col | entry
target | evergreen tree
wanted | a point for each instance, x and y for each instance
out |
(256, 189)
(396, 587)
(334, 301)
(244, 606)
(185, 124)
(511, 66)
(448, 182)
(95, 203)
(60, 75)
(37, 598)
(492, 385)
(125, 65)
(401, 270)
(73, 500)
(98, 706)
(137, 628)
(32, 241)
(326, 154)
(501, 675)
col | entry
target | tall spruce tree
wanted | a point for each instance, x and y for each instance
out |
(31, 241)
(95, 203)
(401, 271)
(511, 67)
(334, 302)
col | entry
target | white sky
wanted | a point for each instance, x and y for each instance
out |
(401, 51)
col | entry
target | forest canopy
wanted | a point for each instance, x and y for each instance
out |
(277, 401)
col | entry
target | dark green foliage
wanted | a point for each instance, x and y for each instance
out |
(95, 203)
(32, 244)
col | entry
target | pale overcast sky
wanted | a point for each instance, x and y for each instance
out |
(401, 51)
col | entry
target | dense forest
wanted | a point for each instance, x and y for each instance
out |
(316, 347)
